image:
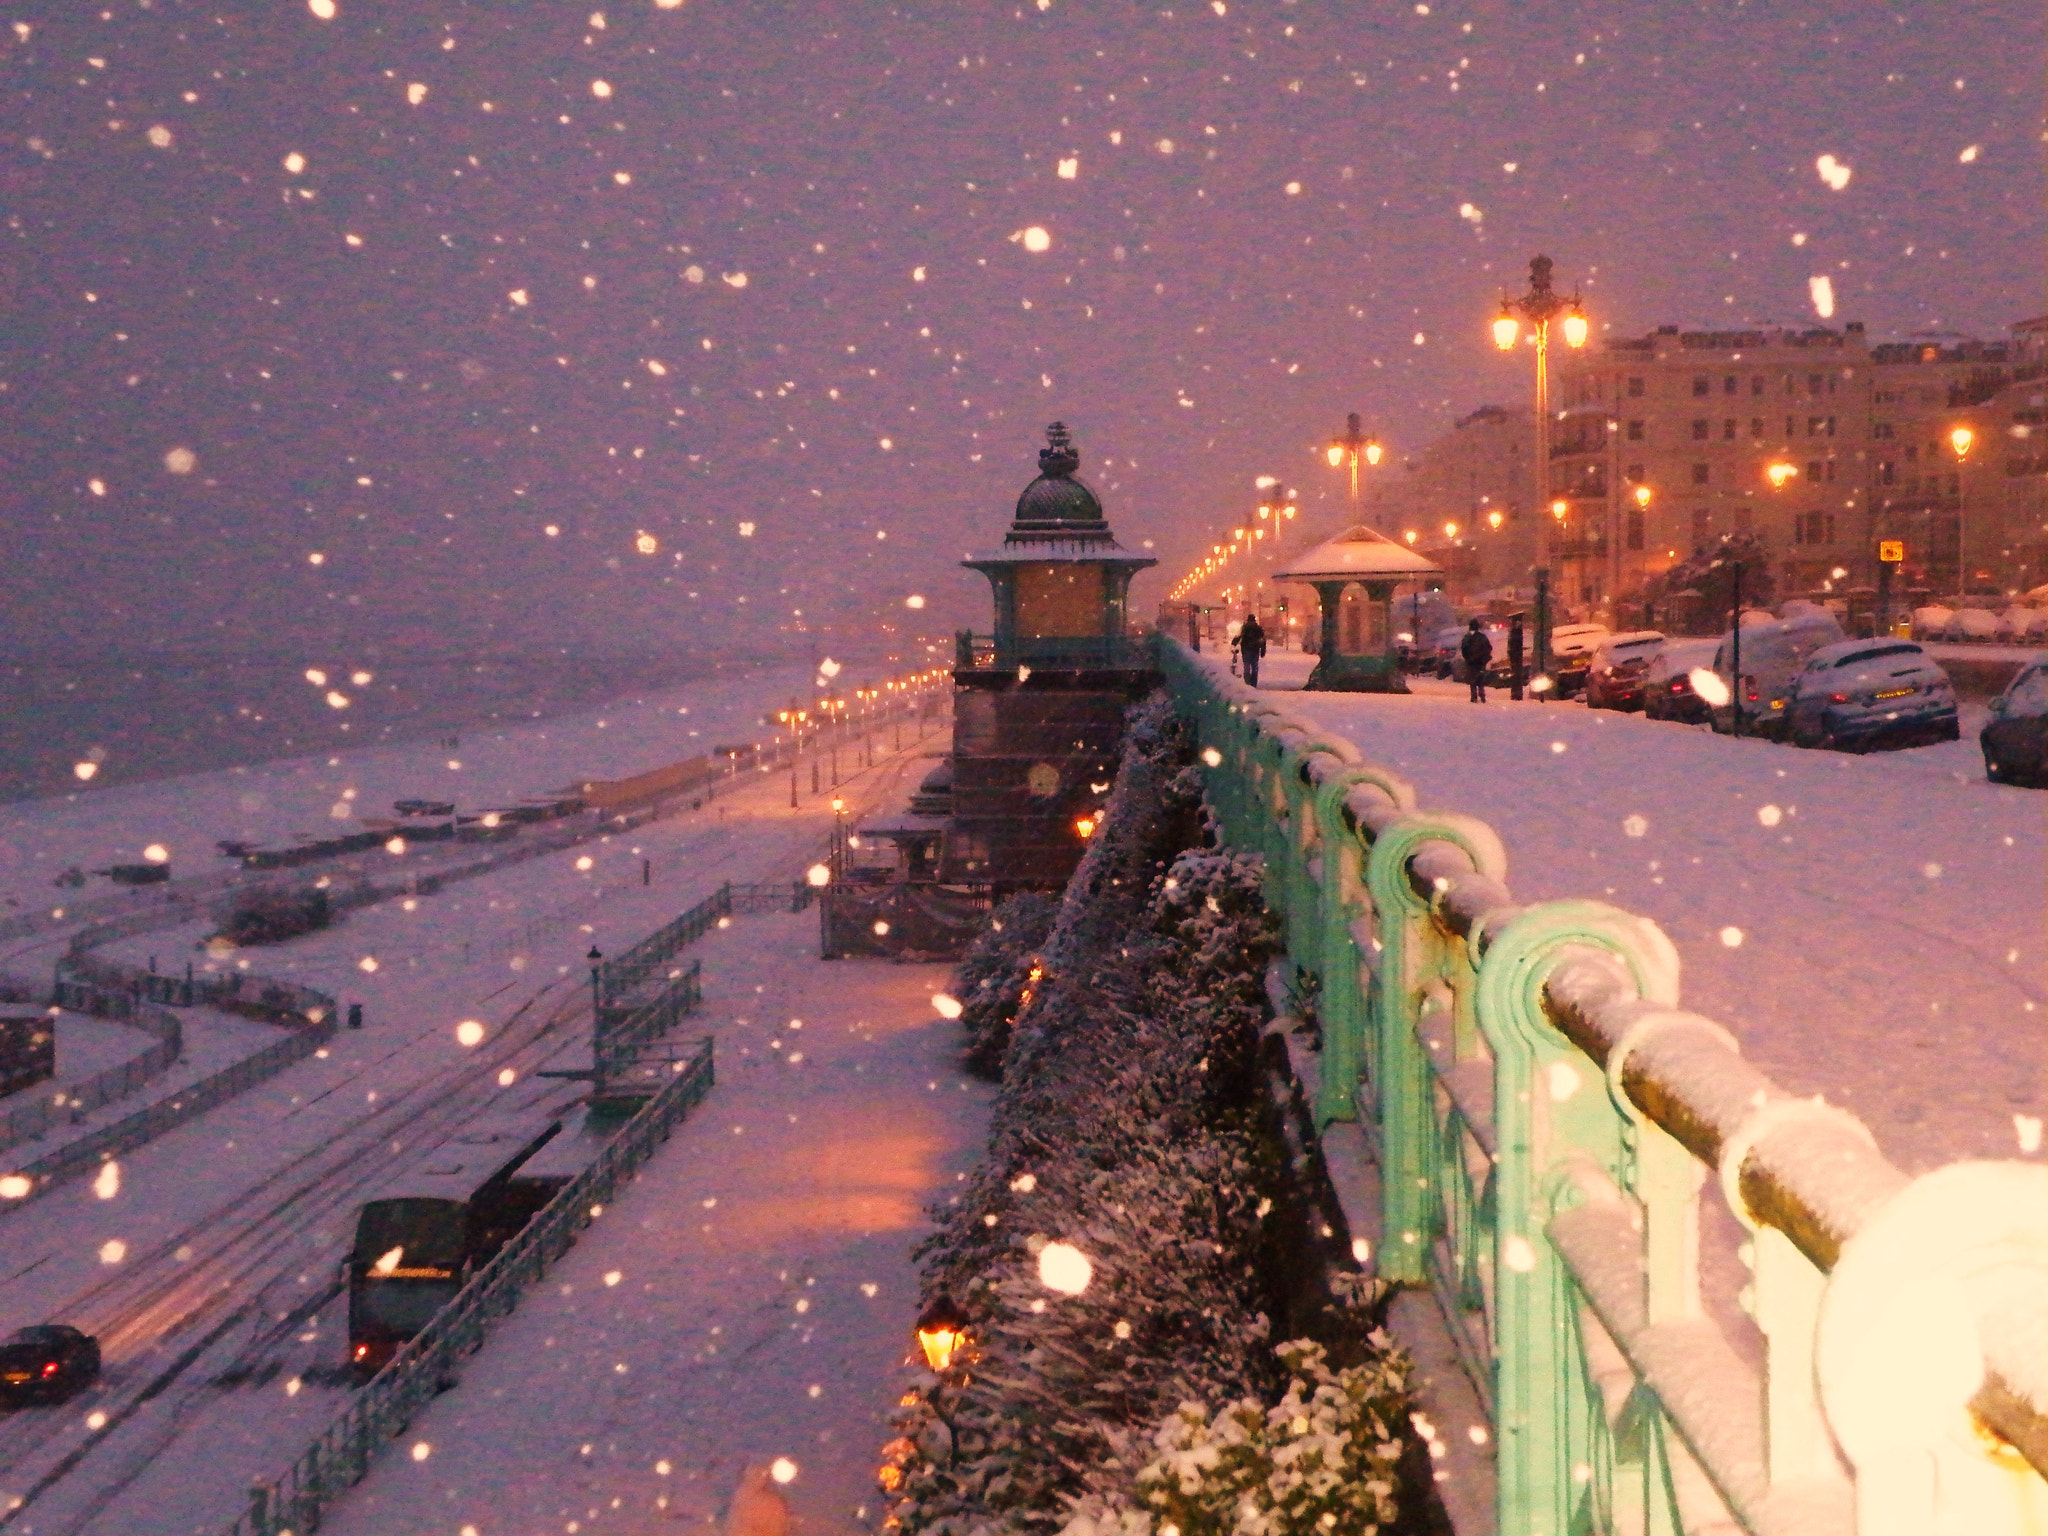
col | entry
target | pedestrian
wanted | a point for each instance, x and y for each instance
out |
(1515, 656)
(1251, 644)
(1477, 652)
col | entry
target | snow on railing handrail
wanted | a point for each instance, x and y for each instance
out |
(1426, 964)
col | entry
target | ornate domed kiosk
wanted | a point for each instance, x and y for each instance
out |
(1038, 706)
(1356, 650)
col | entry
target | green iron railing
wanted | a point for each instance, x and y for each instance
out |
(1545, 1116)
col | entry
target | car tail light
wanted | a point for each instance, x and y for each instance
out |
(362, 1350)
(1838, 698)
(49, 1367)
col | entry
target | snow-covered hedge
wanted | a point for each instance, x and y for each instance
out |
(994, 974)
(1115, 1252)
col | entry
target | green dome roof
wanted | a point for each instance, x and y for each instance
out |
(1056, 502)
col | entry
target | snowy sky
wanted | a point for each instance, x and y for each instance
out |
(405, 286)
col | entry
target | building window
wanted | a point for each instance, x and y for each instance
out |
(1635, 431)
(1728, 430)
(1813, 383)
(1814, 424)
(1756, 385)
(1813, 528)
(1887, 472)
(1702, 527)
(1729, 385)
(1791, 425)
(1702, 385)
(1701, 431)
(1633, 474)
(1831, 426)
(1820, 472)
(1699, 474)
(1881, 429)
(1813, 472)
(1912, 453)
(1756, 428)
(1635, 527)
(1635, 389)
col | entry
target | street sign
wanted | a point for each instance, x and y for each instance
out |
(1891, 551)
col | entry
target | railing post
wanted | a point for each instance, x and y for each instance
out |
(259, 1508)
(1412, 954)
(1547, 1115)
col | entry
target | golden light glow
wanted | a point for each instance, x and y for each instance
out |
(1642, 494)
(1265, 511)
(1450, 530)
(1559, 507)
(1494, 518)
(1506, 331)
(1575, 329)
(1085, 825)
(1289, 510)
(1780, 472)
(1960, 440)
(1335, 454)
(1411, 535)
(1374, 453)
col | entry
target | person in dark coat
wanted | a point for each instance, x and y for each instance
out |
(1515, 652)
(1477, 652)
(1251, 645)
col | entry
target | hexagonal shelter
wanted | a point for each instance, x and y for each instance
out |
(1356, 653)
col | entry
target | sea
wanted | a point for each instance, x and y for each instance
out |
(125, 719)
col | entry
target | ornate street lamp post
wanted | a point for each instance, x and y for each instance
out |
(1960, 440)
(1356, 443)
(1537, 309)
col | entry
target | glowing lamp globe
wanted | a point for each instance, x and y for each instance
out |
(1374, 453)
(941, 1330)
(1642, 494)
(1575, 329)
(1780, 473)
(1960, 440)
(1335, 454)
(1506, 331)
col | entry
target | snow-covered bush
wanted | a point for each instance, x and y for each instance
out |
(1119, 1250)
(1320, 1462)
(994, 973)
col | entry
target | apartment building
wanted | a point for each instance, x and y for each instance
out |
(1469, 499)
(1664, 443)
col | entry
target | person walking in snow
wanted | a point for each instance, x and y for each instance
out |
(1477, 652)
(1251, 645)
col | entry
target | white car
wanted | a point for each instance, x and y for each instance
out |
(1772, 655)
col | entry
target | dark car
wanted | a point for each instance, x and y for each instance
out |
(2015, 740)
(1667, 683)
(47, 1363)
(1615, 678)
(1864, 694)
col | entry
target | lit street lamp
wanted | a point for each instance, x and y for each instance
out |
(1538, 308)
(1348, 449)
(1960, 440)
(941, 1330)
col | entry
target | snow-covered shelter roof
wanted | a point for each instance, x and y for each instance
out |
(1355, 554)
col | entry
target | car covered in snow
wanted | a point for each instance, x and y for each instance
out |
(1571, 655)
(1861, 694)
(1667, 681)
(1614, 680)
(2015, 739)
(47, 1363)
(1772, 653)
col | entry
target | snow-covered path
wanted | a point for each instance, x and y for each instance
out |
(1871, 928)
(748, 1299)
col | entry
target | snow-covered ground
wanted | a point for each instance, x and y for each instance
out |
(748, 1299)
(273, 801)
(205, 1264)
(1870, 927)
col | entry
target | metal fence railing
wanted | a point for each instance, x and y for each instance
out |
(622, 1033)
(342, 1455)
(774, 896)
(1544, 1116)
(56, 1104)
(623, 975)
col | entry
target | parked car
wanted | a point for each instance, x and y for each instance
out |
(1667, 682)
(47, 1363)
(1862, 694)
(1443, 650)
(1773, 652)
(1571, 655)
(2015, 739)
(1614, 680)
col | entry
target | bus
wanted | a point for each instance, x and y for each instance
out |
(417, 1245)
